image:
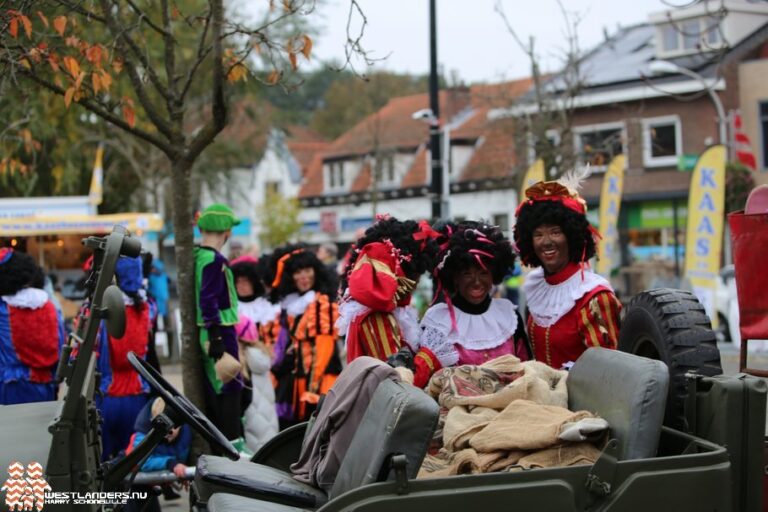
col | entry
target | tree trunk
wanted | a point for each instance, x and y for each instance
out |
(191, 354)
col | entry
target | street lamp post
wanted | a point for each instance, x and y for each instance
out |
(443, 165)
(664, 66)
(434, 125)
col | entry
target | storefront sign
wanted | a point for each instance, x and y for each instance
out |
(75, 224)
(328, 222)
(704, 236)
(610, 204)
(686, 162)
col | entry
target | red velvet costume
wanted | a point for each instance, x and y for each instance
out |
(559, 337)
(376, 311)
(574, 308)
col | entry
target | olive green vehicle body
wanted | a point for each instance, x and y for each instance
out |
(719, 467)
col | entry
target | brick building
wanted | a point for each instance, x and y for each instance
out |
(660, 122)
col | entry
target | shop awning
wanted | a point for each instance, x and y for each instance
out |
(72, 224)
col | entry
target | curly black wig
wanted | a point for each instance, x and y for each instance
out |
(249, 270)
(324, 281)
(422, 252)
(463, 239)
(581, 242)
(20, 271)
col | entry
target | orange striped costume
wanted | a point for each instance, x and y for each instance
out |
(312, 357)
(593, 321)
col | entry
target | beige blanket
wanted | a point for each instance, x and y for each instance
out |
(505, 414)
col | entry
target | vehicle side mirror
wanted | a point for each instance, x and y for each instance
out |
(115, 306)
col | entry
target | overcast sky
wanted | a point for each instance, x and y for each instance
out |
(472, 38)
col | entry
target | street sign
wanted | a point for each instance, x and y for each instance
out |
(686, 162)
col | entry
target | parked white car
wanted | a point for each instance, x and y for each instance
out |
(727, 305)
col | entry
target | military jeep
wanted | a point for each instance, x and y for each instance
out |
(682, 437)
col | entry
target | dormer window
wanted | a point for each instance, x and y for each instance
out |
(687, 36)
(336, 178)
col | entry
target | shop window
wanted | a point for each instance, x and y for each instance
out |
(662, 141)
(598, 144)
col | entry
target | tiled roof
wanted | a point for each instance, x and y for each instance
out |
(363, 179)
(313, 178)
(304, 152)
(393, 127)
(494, 155)
(417, 174)
(499, 95)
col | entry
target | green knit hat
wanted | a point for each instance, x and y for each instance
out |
(217, 218)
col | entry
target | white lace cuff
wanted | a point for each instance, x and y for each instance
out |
(436, 340)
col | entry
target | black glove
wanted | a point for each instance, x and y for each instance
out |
(215, 343)
(403, 357)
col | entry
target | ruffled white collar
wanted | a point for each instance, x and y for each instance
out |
(295, 304)
(260, 310)
(474, 332)
(406, 317)
(548, 303)
(28, 298)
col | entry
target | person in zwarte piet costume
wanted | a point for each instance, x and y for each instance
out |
(31, 332)
(469, 326)
(384, 268)
(306, 361)
(217, 317)
(570, 307)
(123, 392)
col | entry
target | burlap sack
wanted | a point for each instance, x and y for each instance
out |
(525, 425)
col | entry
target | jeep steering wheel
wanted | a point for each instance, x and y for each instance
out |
(181, 405)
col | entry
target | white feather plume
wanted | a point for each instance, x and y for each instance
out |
(574, 178)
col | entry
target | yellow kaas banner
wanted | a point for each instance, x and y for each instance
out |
(96, 191)
(533, 175)
(610, 205)
(704, 234)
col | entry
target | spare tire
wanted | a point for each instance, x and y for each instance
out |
(671, 326)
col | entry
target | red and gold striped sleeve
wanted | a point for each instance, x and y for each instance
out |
(599, 320)
(380, 335)
(426, 363)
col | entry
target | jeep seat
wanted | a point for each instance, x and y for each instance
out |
(400, 419)
(628, 391)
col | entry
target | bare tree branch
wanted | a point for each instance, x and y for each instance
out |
(133, 74)
(144, 17)
(170, 59)
(218, 105)
(202, 53)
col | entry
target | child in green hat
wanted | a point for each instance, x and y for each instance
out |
(216, 299)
